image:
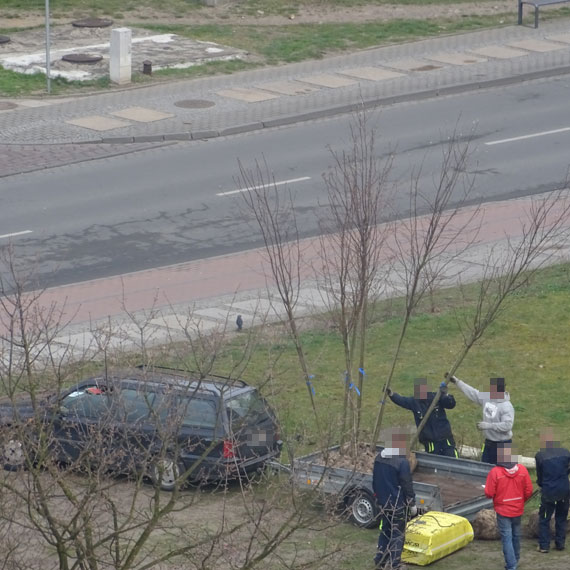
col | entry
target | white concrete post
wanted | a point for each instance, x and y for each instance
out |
(120, 56)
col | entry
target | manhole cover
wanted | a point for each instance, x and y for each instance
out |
(194, 104)
(81, 58)
(4, 39)
(6, 105)
(92, 23)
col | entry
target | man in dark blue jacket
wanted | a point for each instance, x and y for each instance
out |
(552, 468)
(436, 435)
(394, 492)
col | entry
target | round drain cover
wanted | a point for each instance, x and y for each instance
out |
(194, 104)
(4, 39)
(92, 23)
(81, 58)
(6, 105)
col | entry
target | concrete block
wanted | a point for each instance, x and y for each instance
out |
(120, 56)
(198, 135)
(246, 128)
(148, 138)
(177, 137)
(117, 140)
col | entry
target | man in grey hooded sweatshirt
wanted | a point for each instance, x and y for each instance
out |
(498, 414)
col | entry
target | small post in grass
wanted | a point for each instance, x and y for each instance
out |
(48, 66)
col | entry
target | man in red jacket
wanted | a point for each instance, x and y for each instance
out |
(509, 485)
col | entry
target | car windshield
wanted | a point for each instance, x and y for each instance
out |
(248, 407)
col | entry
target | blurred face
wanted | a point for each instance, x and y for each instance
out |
(548, 438)
(494, 393)
(504, 454)
(420, 391)
(399, 441)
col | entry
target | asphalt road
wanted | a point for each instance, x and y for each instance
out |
(179, 203)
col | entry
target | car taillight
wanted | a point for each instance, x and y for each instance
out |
(228, 449)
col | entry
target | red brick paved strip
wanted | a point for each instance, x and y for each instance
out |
(188, 283)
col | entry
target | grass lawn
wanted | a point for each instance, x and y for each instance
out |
(527, 345)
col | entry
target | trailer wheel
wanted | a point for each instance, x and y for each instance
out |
(363, 510)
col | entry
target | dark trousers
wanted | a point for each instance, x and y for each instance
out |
(391, 540)
(442, 447)
(560, 511)
(490, 450)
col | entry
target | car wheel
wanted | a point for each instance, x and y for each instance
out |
(363, 510)
(13, 457)
(166, 473)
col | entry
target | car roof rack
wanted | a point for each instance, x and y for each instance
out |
(187, 373)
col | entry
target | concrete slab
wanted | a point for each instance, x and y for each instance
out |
(98, 123)
(541, 46)
(126, 331)
(184, 322)
(287, 87)
(371, 73)
(328, 80)
(564, 38)
(247, 95)
(142, 115)
(411, 64)
(216, 314)
(257, 306)
(499, 52)
(456, 58)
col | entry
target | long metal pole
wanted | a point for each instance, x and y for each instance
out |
(48, 62)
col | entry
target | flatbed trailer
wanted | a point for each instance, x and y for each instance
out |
(445, 484)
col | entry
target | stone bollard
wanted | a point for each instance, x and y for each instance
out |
(120, 56)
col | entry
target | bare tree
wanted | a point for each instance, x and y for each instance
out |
(435, 233)
(509, 267)
(275, 217)
(352, 248)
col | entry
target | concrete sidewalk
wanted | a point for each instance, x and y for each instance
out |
(274, 96)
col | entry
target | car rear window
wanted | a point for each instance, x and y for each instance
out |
(247, 408)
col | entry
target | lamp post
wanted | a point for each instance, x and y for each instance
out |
(48, 63)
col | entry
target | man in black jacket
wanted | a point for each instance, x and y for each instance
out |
(436, 435)
(552, 468)
(394, 492)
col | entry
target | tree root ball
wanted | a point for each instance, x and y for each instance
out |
(531, 529)
(485, 525)
(413, 461)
